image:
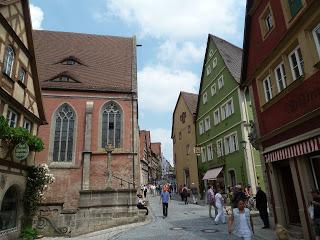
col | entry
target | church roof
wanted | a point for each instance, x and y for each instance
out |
(87, 62)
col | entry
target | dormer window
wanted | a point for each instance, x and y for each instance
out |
(71, 60)
(63, 78)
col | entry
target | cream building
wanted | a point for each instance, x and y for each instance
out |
(184, 140)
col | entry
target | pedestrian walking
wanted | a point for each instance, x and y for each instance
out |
(240, 222)
(315, 214)
(262, 206)
(181, 193)
(211, 202)
(164, 198)
(194, 192)
(219, 201)
(185, 194)
(141, 204)
(237, 196)
(145, 189)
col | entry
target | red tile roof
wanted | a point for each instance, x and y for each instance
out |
(104, 63)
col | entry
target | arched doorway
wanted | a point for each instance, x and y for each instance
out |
(8, 211)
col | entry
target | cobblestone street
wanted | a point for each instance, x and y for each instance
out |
(183, 222)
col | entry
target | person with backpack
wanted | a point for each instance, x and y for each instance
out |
(185, 194)
(219, 203)
(211, 201)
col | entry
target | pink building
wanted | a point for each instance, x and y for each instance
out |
(89, 91)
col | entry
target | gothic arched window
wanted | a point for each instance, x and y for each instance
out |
(8, 61)
(111, 125)
(64, 134)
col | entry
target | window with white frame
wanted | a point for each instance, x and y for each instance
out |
(231, 143)
(12, 118)
(216, 116)
(220, 82)
(227, 109)
(209, 152)
(203, 154)
(214, 62)
(296, 63)
(208, 70)
(280, 74)
(207, 125)
(219, 148)
(316, 36)
(205, 98)
(8, 61)
(267, 89)
(27, 124)
(201, 129)
(213, 89)
(210, 53)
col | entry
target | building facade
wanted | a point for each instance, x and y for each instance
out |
(222, 120)
(90, 92)
(145, 157)
(284, 79)
(184, 140)
(156, 163)
(20, 104)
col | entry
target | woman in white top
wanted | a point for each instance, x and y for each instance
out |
(219, 205)
(241, 222)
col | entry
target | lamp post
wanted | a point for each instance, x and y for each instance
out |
(109, 148)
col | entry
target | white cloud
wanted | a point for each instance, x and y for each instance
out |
(164, 136)
(36, 16)
(179, 19)
(179, 55)
(159, 87)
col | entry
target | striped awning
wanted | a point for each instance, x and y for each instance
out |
(294, 150)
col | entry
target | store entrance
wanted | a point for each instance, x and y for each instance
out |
(289, 194)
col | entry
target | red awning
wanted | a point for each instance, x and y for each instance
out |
(294, 150)
(212, 174)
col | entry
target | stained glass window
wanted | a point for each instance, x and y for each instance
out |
(111, 125)
(64, 134)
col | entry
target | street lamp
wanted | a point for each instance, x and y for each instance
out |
(109, 148)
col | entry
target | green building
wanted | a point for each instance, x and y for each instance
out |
(222, 121)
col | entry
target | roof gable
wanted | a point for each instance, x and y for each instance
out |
(190, 100)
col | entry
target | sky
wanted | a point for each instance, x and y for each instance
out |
(173, 35)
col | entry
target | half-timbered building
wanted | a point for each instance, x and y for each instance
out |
(20, 104)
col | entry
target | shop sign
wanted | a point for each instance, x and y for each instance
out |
(21, 151)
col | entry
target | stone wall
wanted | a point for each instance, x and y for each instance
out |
(99, 209)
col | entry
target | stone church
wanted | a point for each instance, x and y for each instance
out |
(89, 88)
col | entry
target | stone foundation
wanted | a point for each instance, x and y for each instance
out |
(97, 210)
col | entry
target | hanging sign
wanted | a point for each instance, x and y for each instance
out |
(21, 151)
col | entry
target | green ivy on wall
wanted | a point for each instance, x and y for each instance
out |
(13, 136)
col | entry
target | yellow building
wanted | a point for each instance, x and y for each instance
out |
(20, 104)
(184, 140)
